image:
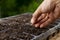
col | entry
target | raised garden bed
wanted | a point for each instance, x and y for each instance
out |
(19, 28)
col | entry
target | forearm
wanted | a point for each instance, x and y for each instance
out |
(47, 5)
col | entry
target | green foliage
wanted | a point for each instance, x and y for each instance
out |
(7, 7)
(13, 7)
(31, 7)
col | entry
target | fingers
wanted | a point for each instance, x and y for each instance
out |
(37, 24)
(41, 17)
(45, 19)
(45, 23)
(35, 16)
(48, 21)
(42, 21)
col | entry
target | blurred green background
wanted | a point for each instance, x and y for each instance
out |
(14, 7)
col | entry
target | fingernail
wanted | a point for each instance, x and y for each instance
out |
(32, 21)
(36, 25)
(41, 26)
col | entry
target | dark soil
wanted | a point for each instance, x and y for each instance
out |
(19, 28)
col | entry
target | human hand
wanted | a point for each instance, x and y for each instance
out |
(46, 13)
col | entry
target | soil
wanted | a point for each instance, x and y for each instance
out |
(19, 28)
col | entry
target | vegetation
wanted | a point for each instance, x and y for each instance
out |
(13, 7)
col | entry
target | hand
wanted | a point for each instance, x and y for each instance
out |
(46, 13)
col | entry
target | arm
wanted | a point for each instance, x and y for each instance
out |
(47, 5)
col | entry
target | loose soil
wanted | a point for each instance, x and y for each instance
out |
(19, 28)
